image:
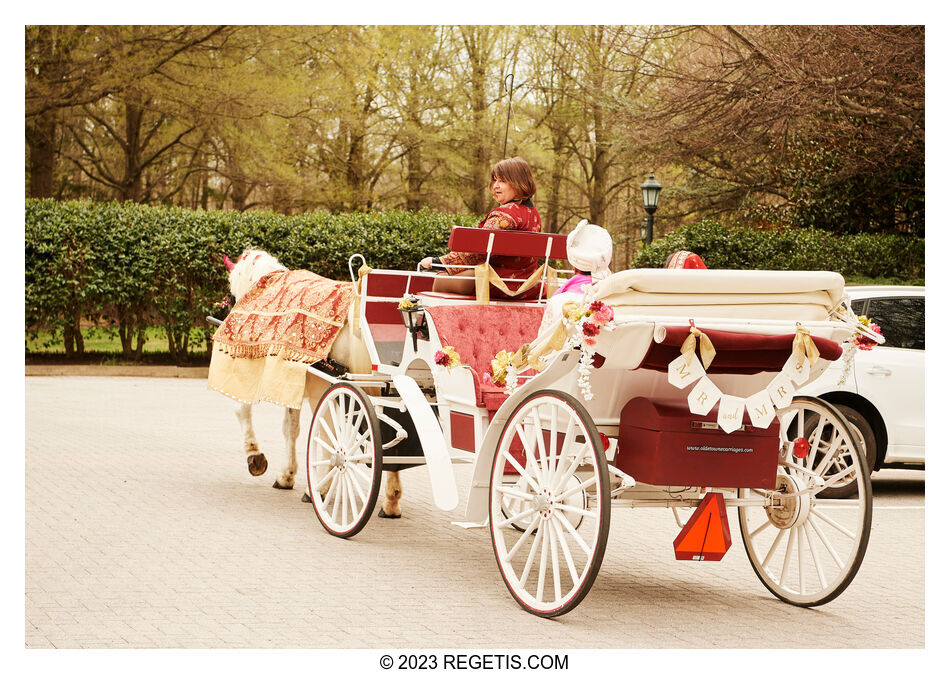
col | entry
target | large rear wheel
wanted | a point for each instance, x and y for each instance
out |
(806, 549)
(549, 527)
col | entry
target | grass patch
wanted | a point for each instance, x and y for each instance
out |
(102, 345)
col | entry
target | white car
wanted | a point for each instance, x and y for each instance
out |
(883, 393)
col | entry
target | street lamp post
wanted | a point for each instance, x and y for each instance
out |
(651, 196)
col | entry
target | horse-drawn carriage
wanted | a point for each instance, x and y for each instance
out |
(654, 388)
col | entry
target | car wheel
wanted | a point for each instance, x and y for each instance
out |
(864, 434)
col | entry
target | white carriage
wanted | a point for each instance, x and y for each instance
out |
(549, 463)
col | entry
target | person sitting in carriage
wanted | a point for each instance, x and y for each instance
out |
(512, 186)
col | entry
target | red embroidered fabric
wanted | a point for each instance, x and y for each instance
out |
(293, 314)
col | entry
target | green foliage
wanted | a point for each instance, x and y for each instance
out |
(139, 265)
(853, 256)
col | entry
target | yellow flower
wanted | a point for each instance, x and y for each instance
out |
(454, 359)
(499, 366)
(407, 303)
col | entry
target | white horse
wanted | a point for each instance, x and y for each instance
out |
(348, 350)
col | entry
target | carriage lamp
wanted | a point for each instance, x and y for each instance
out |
(413, 318)
(651, 197)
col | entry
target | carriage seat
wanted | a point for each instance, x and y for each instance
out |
(478, 332)
(501, 242)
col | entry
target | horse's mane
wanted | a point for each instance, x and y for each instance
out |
(250, 267)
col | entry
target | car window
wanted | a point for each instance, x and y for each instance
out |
(901, 320)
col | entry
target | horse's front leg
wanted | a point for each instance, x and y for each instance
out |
(256, 461)
(291, 429)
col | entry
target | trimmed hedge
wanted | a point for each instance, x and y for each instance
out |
(144, 265)
(137, 266)
(851, 255)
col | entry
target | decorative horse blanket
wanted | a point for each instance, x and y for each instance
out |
(286, 321)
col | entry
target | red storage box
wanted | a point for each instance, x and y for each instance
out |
(661, 442)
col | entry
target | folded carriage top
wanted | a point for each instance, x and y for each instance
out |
(723, 293)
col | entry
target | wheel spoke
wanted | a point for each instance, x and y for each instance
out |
(528, 454)
(565, 549)
(542, 450)
(825, 542)
(818, 513)
(576, 511)
(573, 532)
(765, 525)
(527, 533)
(801, 560)
(775, 545)
(515, 518)
(351, 493)
(576, 488)
(555, 566)
(529, 561)
(543, 568)
(515, 493)
(788, 555)
(326, 478)
(559, 468)
(518, 467)
(814, 558)
(326, 429)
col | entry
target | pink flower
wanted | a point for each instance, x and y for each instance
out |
(589, 341)
(595, 306)
(442, 358)
(591, 329)
(604, 314)
(866, 343)
(486, 378)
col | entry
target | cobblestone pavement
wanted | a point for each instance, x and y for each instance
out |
(144, 530)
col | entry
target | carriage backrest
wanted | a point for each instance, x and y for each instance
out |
(508, 242)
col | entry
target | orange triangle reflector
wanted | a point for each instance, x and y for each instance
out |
(706, 535)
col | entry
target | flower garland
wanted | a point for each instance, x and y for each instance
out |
(586, 324)
(857, 341)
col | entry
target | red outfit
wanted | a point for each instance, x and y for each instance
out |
(513, 215)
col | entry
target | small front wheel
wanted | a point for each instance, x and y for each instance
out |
(344, 460)
(549, 527)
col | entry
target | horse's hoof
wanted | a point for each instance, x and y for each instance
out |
(278, 485)
(382, 513)
(256, 464)
(306, 497)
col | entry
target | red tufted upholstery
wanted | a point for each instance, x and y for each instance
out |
(478, 332)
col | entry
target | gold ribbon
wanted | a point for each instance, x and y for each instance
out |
(706, 349)
(485, 276)
(803, 346)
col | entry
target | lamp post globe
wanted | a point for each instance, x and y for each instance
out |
(651, 197)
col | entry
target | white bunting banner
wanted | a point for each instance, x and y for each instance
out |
(681, 374)
(703, 397)
(798, 373)
(761, 410)
(781, 390)
(730, 413)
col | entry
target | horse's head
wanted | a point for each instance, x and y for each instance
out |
(250, 267)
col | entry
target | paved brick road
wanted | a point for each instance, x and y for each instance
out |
(144, 530)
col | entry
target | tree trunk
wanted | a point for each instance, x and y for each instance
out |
(131, 187)
(40, 139)
(414, 179)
